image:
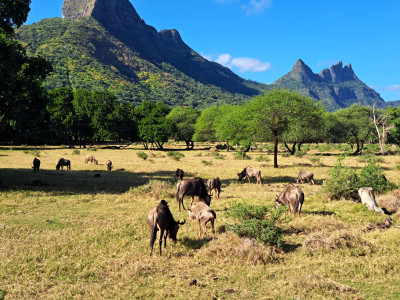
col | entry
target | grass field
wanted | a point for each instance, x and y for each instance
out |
(71, 235)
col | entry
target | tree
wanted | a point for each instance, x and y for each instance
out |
(232, 126)
(394, 118)
(154, 127)
(356, 122)
(62, 114)
(382, 126)
(23, 117)
(273, 113)
(205, 128)
(305, 126)
(184, 119)
(13, 14)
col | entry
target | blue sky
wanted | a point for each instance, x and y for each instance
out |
(262, 39)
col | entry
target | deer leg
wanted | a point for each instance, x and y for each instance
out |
(199, 227)
(205, 229)
(191, 203)
(248, 178)
(312, 181)
(212, 226)
(161, 237)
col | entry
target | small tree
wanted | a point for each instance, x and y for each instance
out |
(382, 126)
(205, 128)
(154, 127)
(274, 113)
(355, 122)
(184, 119)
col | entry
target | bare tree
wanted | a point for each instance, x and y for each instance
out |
(382, 127)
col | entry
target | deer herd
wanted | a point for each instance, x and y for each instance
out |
(160, 217)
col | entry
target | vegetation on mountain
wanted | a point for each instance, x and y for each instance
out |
(86, 56)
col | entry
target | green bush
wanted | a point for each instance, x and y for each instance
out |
(286, 154)
(207, 163)
(315, 160)
(263, 158)
(218, 155)
(257, 222)
(142, 155)
(242, 155)
(370, 157)
(92, 149)
(76, 152)
(299, 153)
(344, 182)
(175, 155)
(3, 294)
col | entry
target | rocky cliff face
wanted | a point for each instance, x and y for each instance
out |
(336, 86)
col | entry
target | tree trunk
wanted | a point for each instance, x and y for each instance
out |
(299, 146)
(227, 146)
(146, 147)
(293, 150)
(276, 143)
(359, 148)
(247, 149)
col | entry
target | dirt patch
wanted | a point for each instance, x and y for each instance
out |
(390, 201)
(230, 245)
(340, 239)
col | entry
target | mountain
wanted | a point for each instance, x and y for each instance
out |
(337, 87)
(104, 44)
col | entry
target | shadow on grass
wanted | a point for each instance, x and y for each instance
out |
(321, 213)
(287, 248)
(77, 182)
(194, 243)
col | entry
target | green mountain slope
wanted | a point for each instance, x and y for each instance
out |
(105, 45)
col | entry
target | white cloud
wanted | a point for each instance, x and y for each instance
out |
(242, 64)
(393, 88)
(247, 64)
(224, 59)
(257, 6)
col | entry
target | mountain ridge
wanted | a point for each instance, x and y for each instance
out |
(337, 86)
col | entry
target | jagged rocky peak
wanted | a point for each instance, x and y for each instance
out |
(116, 14)
(302, 72)
(336, 73)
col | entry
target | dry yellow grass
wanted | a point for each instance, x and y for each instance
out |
(70, 235)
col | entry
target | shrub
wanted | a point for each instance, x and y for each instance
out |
(242, 155)
(207, 163)
(344, 182)
(92, 149)
(286, 154)
(315, 160)
(142, 155)
(175, 155)
(3, 294)
(372, 176)
(370, 157)
(76, 152)
(218, 155)
(263, 158)
(299, 153)
(257, 222)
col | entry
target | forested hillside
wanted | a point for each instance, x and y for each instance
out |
(85, 55)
